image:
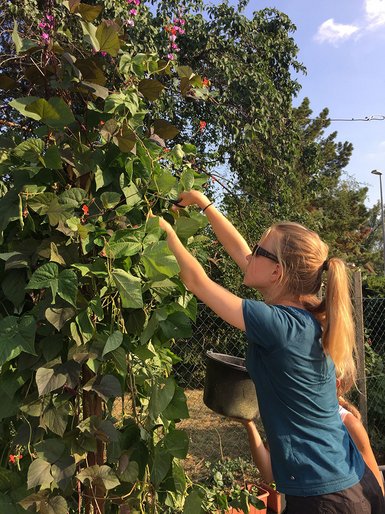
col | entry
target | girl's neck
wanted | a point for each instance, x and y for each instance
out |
(287, 300)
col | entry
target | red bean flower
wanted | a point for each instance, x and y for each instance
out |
(202, 125)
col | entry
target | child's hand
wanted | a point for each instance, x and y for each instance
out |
(163, 224)
(191, 197)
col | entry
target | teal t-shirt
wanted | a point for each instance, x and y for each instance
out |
(311, 450)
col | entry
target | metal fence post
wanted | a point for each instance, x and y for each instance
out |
(359, 317)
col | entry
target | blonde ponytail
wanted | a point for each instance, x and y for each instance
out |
(338, 338)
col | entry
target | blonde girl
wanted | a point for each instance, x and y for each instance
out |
(294, 343)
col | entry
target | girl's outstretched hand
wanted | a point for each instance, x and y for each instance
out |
(163, 224)
(192, 197)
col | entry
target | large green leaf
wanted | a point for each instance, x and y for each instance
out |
(48, 379)
(113, 342)
(44, 276)
(21, 104)
(16, 335)
(58, 316)
(68, 286)
(194, 502)
(129, 288)
(39, 472)
(108, 386)
(107, 37)
(8, 479)
(50, 449)
(176, 442)
(177, 408)
(160, 467)
(165, 129)
(89, 12)
(95, 474)
(150, 88)
(159, 261)
(40, 203)
(161, 397)
(123, 243)
(110, 199)
(55, 419)
(13, 286)
(55, 112)
(30, 150)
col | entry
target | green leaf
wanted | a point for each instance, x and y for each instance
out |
(194, 502)
(52, 159)
(40, 203)
(95, 474)
(59, 316)
(55, 112)
(107, 38)
(39, 472)
(13, 286)
(176, 442)
(8, 479)
(45, 276)
(55, 419)
(125, 139)
(185, 71)
(22, 45)
(50, 449)
(123, 244)
(159, 261)
(177, 408)
(110, 199)
(129, 288)
(68, 286)
(113, 342)
(16, 335)
(161, 397)
(187, 179)
(108, 386)
(30, 150)
(165, 129)
(20, 104)
(160, 467)
(47, 380)
(73, 197)
(151, 89)
(89, 12)
(186, 227)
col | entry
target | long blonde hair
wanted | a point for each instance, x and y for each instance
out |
(304, 259)
(346, 379)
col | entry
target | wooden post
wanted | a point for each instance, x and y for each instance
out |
(360, 341)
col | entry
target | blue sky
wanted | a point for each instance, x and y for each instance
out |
(342, 45)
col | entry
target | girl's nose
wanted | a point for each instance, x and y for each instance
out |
(248, 257)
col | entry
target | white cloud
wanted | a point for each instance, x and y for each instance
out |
(332, 32)
(375, 13)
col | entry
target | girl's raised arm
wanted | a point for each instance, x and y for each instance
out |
(232, 241)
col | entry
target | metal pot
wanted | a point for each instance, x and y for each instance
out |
(228, 388)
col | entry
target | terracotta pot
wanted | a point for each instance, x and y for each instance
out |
(262, 495)
(274, 500)
(228, 388)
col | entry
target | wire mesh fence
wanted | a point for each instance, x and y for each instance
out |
(213, 436)
(374, 336)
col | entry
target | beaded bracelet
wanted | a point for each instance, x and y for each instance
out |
(207, 206)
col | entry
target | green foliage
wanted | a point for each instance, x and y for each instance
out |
(232, 483)
(90, 299)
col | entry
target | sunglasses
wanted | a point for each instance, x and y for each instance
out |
(258, 250)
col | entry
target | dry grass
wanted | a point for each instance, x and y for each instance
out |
(212, 436)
